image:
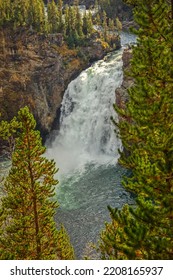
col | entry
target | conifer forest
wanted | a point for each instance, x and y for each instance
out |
(98, 167)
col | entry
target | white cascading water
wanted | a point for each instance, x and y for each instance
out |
(86, 132)
(86, 152)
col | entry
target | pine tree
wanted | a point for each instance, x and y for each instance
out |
(28, 230)
(72, 19)
(146, 230)
(96, 6)
(53, 17)
(7, 139)
(118, 24)
(113, 8)
(60, 8)
(111, 24)
(19, 12)
(5, 12)
(79, 22)
(98, 20)
(66, 21)
(87, 24)
(64, 246)
(36, 15)
(7, 133)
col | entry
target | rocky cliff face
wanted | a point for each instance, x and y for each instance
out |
(121, 92)
(35, 71)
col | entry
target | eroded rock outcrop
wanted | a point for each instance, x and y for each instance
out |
(35, 71)
(121, 92)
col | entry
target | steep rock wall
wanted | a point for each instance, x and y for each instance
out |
(121, 93)
(35, 71)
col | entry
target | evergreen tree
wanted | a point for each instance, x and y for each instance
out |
(7, 134)
(5, 12)
(87, 24)
(114, 8)
(111, 24)
(19, 12)
(36, 15)
(28, 230)
(53, 17)
(96, 5)
(73, 25)
(72, 19)
(98, 20)
(23, 13)
(66, 21)
(146, 230)
(60, 7)
(118, 24)
(79, 22)
(64, 247)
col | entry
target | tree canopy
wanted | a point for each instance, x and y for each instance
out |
(28, 230)
(145, 231)
(54, 18)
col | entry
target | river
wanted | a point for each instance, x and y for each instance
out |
(86, 152)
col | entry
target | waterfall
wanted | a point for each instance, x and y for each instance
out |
(86, 133)
(86, 152)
